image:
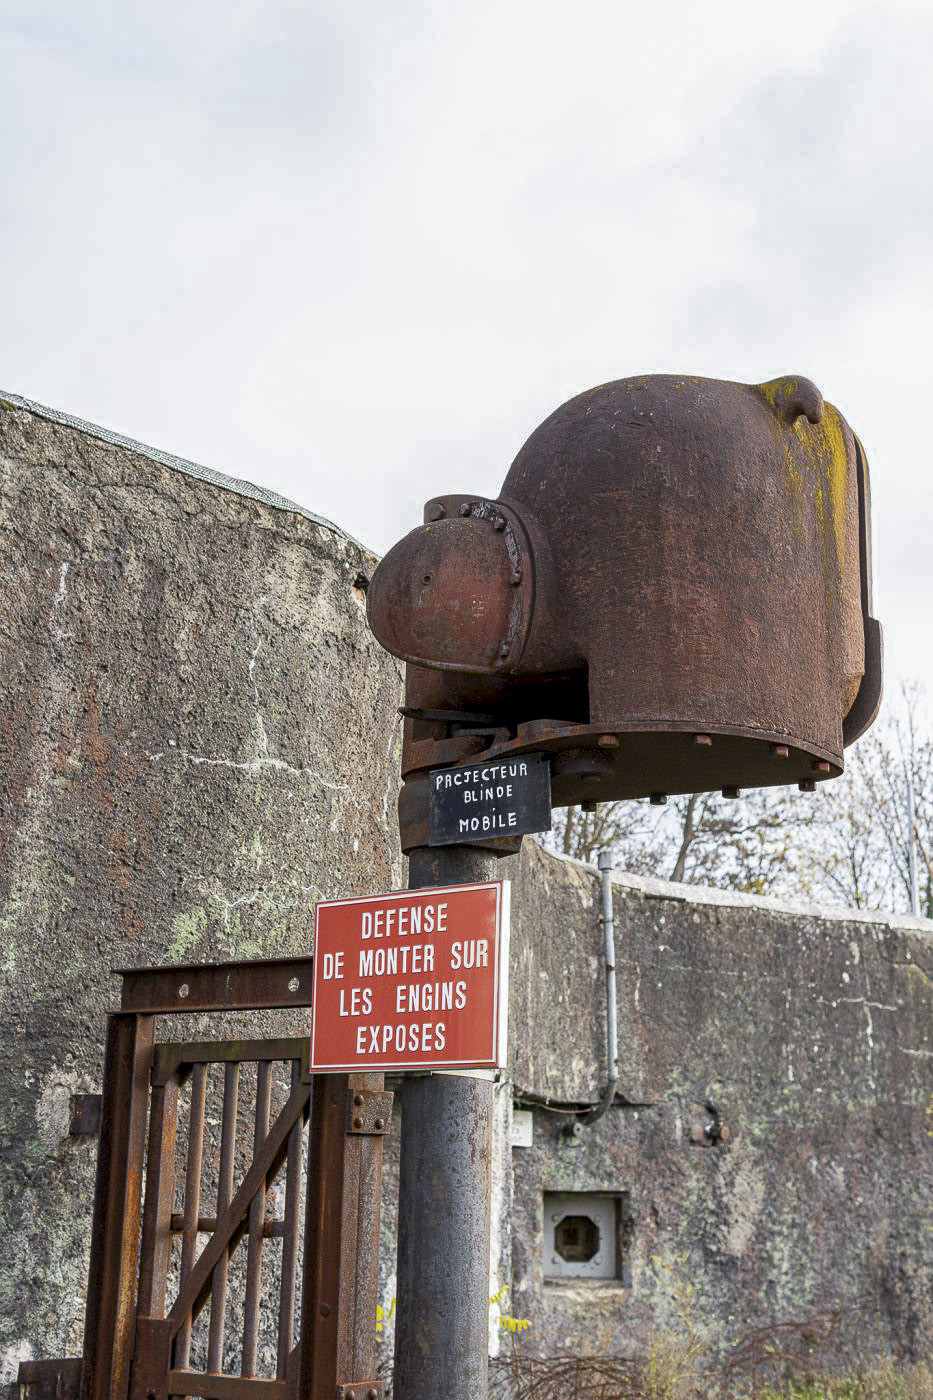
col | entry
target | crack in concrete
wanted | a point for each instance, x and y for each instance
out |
(251, 766)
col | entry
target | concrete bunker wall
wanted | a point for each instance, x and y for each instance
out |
(200, 739)
(771, 1133)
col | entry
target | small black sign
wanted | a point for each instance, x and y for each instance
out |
(504, 797)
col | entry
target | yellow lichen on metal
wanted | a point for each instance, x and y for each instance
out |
(830, 441)
(775, 393)
(817, 464)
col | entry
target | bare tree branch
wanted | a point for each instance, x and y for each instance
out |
(847, 843)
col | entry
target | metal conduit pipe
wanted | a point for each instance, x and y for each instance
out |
(612, 1020)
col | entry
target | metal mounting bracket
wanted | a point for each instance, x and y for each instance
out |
(369, 1112)
(84, 1114)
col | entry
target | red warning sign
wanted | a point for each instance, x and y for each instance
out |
(415, 980)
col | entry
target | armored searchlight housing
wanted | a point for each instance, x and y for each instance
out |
(671, 594)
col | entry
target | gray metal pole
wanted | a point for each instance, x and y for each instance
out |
(445, 1178)
(612, 1014)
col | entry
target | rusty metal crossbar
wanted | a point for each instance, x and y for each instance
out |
(139, 1343)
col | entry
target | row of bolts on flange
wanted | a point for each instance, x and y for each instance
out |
(705, 741)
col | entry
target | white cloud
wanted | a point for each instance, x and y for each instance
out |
(356, 253)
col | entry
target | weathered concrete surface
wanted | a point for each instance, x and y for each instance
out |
(198, 740)
(807, 1035)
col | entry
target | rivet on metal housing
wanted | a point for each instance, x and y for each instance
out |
(437, 512)
(357, 1122)
(731, 792)
(820, 765)
(359, 1100)
(704, 741)
(465, 508)
(807, 786)
(658, 799)
(780, 750)
(379, 1124)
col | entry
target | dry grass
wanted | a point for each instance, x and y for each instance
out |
(663, 1376)
(799, 1359)
(807, 1358)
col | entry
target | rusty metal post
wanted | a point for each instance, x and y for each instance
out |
(349, 1115)
(445, 1178)
(111, 1303)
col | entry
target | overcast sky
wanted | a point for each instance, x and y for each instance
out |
(357, 251)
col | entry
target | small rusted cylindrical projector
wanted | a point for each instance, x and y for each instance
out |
(671, 594)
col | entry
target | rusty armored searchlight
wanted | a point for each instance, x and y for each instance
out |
(671, 594)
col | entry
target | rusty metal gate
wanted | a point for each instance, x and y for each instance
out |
(157, 1304)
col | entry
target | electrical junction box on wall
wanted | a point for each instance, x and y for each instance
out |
(581, 1236)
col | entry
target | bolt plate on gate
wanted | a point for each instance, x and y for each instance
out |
(370, 1111)
(361, 1390)
(84, 1114)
